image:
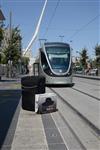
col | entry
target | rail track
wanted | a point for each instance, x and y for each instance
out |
(95, 98)
(79, 113)
(76, 142)
(85, 131)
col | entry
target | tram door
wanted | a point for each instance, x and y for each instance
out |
(36, 69)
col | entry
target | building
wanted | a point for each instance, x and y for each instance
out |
(2, 18)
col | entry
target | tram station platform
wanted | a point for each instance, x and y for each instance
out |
(37, 132)
(29, 133)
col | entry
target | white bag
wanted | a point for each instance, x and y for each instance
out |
(46, 102)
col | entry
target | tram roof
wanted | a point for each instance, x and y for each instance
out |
(55, 44)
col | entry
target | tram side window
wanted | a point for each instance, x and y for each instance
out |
(44, 62)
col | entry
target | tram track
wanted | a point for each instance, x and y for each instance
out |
(82, 131)
(72, 131)
(96, 98)
(87, 82)
(86, 120)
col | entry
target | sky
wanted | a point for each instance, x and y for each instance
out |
(78, 21)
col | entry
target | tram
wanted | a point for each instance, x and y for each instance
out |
(54, 62)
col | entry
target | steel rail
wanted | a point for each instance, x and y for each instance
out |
(96, 98)
(86, 120)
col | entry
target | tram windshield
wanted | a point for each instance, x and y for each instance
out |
(59, 58)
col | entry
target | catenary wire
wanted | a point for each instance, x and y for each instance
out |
(53, 15)
(84, 26)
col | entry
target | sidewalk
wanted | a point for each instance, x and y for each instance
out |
(25, 130)
(29, 133)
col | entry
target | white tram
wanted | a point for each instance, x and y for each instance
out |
(55, 63)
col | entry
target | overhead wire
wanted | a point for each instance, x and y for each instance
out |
(77, 31)
(53, 15)
(84, 26)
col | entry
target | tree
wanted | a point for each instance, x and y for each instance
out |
(13, 50)
(97, 50)
(1, 35)
(25, 60)
(97, 54)
(84, 58)
(97, 60)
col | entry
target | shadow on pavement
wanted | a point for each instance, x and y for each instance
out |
(3, 80)
(60, 85)
(9, 100)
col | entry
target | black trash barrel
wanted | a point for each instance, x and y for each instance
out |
(31, 85)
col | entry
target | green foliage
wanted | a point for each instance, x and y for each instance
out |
(97, 50)
(97, 54)
(25, 60)
(84, 58)
(13, 50)
(16, 38)
(12, 53)
(1, 35)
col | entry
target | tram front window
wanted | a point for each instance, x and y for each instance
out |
(59, 58)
